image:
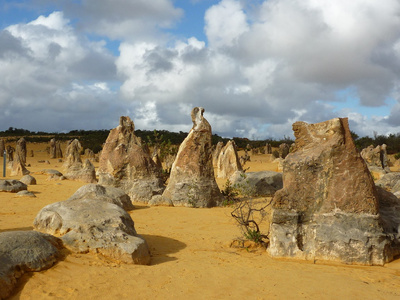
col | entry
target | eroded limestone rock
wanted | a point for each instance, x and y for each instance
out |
(329, 207)
(192, 182)
(126, 164)
(89, 225)
(228, 161)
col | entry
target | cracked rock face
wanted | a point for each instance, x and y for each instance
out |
(329, 207)
(192, 181)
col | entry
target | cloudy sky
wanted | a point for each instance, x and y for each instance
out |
(255, 66)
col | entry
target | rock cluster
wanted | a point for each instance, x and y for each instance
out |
(126, 164)
(192, 182)
(329, 207)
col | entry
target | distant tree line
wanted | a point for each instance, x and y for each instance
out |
(94, 139)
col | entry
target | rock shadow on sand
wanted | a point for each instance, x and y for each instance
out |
(161, 247)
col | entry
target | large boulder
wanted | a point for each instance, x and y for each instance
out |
(125, 163)
(89, 225)
(12, 186)
(24, 251)
(228, 161)
(104, 193)
(192, 182)
(329, 207)
(263, 183)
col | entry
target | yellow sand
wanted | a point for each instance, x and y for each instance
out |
(191, 257)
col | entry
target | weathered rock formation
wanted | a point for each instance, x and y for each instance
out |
(90, 154)
(12, 186)
(390, 182)
(20, 151)
(104, 193)
(10, 153)
(75, 169)
(376, 159)
(192, 181)
(216, 152)
(283, 150)
(263, 183)
(55, 149)
(89, 225)
(329, 207)
(28, 180)
(72, 153)
(82, 172)
(24, 251)
(268, 148)
(124, 163)
(19, 162)
(228, 161)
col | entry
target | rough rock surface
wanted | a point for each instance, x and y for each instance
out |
(192, 182)
(28, 180)
(329, 207)
(104, 193)
(264, 183)
(390, 182)
(55, 149)
(126, 164)
(228, 161)
(88, 225)
(13, 186)
(82, 172)
(20, 151)
(72, 154)
(216, 152)
(24, 251)
(283, 150)
(376, 159)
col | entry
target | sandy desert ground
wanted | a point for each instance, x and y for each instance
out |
(191, 257)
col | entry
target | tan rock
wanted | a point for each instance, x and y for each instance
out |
(124, 163)
(192, 181)
(228, 161)
(328, 208)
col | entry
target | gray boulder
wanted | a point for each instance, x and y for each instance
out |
(104, 193)
(24, 251)
(390, 182)
(28, 180)
(13, 186)
(88, 225)
(264, 183)
(26, 193)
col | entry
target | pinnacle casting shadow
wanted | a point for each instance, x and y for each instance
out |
(161, 247)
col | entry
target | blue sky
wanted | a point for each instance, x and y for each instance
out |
(255, 66)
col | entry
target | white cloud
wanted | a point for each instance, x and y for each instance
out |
(265, 64)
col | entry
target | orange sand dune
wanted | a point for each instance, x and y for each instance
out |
(191, 257)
